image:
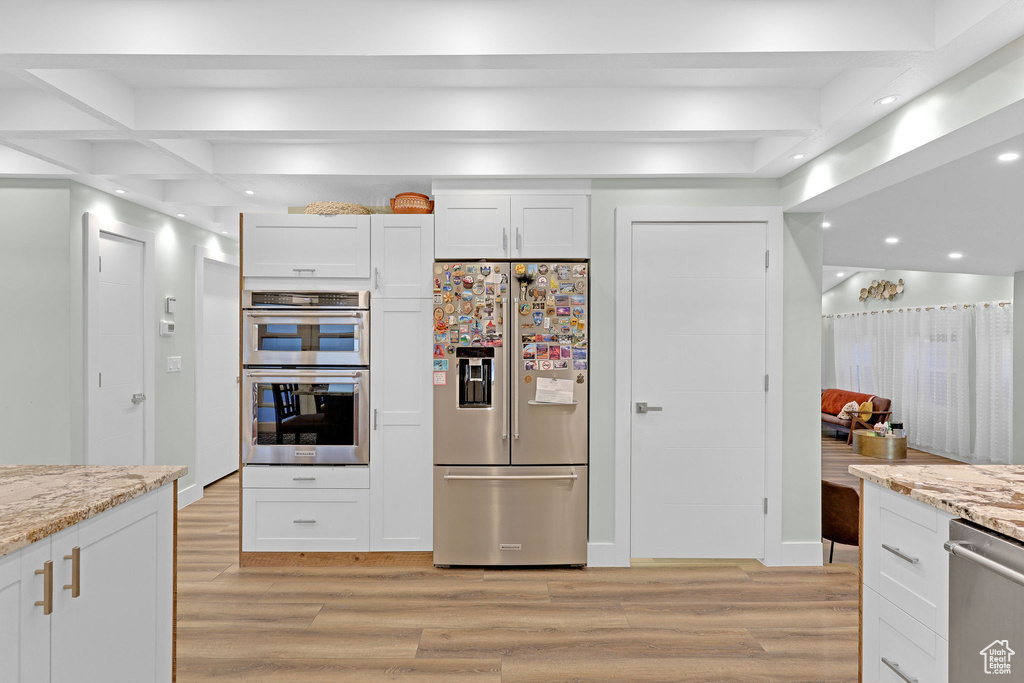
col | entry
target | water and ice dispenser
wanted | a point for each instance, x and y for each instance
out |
(475, 376)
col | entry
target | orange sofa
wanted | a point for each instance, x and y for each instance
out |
(832, 402)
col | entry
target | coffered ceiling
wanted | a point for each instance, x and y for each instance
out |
(186, 105)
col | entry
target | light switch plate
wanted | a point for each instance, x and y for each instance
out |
(173, 363)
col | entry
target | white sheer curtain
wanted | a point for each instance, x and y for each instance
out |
(993, 440)
(919, 358)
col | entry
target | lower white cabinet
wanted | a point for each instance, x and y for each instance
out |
(906, 586)
(324, 520)
(119, 625)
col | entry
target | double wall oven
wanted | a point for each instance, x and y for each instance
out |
(306, 378)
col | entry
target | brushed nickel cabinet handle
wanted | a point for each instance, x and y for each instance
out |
(304, 521)
(504, 240)
(47, 602)
(303, 478)
(895, 666)
(519, 240)
(76, 572)
(902, 556)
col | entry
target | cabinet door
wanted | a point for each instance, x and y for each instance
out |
(403, 252)
(401, 450)
(124, 608)
(25, 630)
(301, 245)
(550, 226)
(471, 226)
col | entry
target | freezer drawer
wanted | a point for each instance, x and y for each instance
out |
(510, 515)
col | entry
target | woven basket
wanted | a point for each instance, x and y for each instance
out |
(334, 208)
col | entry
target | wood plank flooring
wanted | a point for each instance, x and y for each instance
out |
(681, 621)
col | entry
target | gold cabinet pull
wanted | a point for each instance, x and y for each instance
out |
(76, 572)
(47, 602)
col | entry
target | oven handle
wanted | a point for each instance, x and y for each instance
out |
(349, 315)
(963, 549)
(284, 372)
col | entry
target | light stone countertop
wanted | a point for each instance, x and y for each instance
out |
(37, 501)
(991, 496)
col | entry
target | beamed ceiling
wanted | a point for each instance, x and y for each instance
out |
(188, 104)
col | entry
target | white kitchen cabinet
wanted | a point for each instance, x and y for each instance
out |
(472, 226)
(402, 248)
(401, 451)
(306, 246)
(123, 613)
(518, 226)
(550, 226)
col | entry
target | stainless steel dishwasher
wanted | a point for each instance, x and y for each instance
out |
(986, 605)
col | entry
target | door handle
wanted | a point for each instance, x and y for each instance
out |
(376, 279)
(504, 240)
(76, 572)
(642, 408)
(47, 573)
(519, 240)
(138, 398)
(895, 667)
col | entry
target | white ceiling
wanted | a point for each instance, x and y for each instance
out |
(186, 104)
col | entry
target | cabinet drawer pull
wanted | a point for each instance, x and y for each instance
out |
(504, 240)
(303, 478)
(300, 271)
(902, 556)
(519, 240)
(895, 666)
(304, 521)
(47, 602)
(76, 572)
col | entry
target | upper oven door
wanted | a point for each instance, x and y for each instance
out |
(306, 338)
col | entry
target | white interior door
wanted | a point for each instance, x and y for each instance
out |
(119, 436)
(698, 353)
(216, 370)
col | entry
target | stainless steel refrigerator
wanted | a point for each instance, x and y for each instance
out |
(510, 376)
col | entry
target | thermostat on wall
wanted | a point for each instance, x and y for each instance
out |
(166, 328)
(172, 304)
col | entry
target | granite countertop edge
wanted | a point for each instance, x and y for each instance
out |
(991, 496)
(56, 507)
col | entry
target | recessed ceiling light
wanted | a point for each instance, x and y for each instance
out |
(223, 232)
(840, 274)
(798, 157)
(956, 255)
(249, 192)
(1009, 156)
(892, 240)
(120, 191)
(181, 215)
(888, 99)
(826, 224)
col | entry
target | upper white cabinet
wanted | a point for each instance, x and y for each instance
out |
(305, 246)
(518, 226)
(472, 226)
(550, 226)
(403, 252)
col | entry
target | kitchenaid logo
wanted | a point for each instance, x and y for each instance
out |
(510, 546)
(997, 658)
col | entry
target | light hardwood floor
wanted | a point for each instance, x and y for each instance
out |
(697, 621)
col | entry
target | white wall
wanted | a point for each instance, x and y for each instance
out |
(1018, 374)
(41, 249)
(35, 350)
(801, 311)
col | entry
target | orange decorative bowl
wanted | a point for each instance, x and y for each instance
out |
(411, 202)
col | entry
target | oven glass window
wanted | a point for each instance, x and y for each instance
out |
(313, 337)
(307, 414)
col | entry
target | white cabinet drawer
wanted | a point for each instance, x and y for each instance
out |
(903, 556)
(305, 477)
(329, 520)
(895, 641)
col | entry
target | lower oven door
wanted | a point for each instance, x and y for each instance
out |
(312, 417)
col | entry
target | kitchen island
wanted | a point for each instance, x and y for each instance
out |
(86, 566)
(905, 515)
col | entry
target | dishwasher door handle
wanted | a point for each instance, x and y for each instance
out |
(965, 550)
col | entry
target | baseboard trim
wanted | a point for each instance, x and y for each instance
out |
(189, 495)
(325, 559)
(796, 554)
(606, 555)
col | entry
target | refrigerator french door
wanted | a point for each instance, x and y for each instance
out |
(510, 376)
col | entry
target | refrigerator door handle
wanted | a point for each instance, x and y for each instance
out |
(514, 311)
(504, 399)
(510, 477)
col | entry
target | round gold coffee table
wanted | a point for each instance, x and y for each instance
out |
(874, 445)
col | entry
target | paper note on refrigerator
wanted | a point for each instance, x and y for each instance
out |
(553, 390)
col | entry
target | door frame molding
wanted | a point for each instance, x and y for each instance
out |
(202, 254)
(618, 554)
(94, 224)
